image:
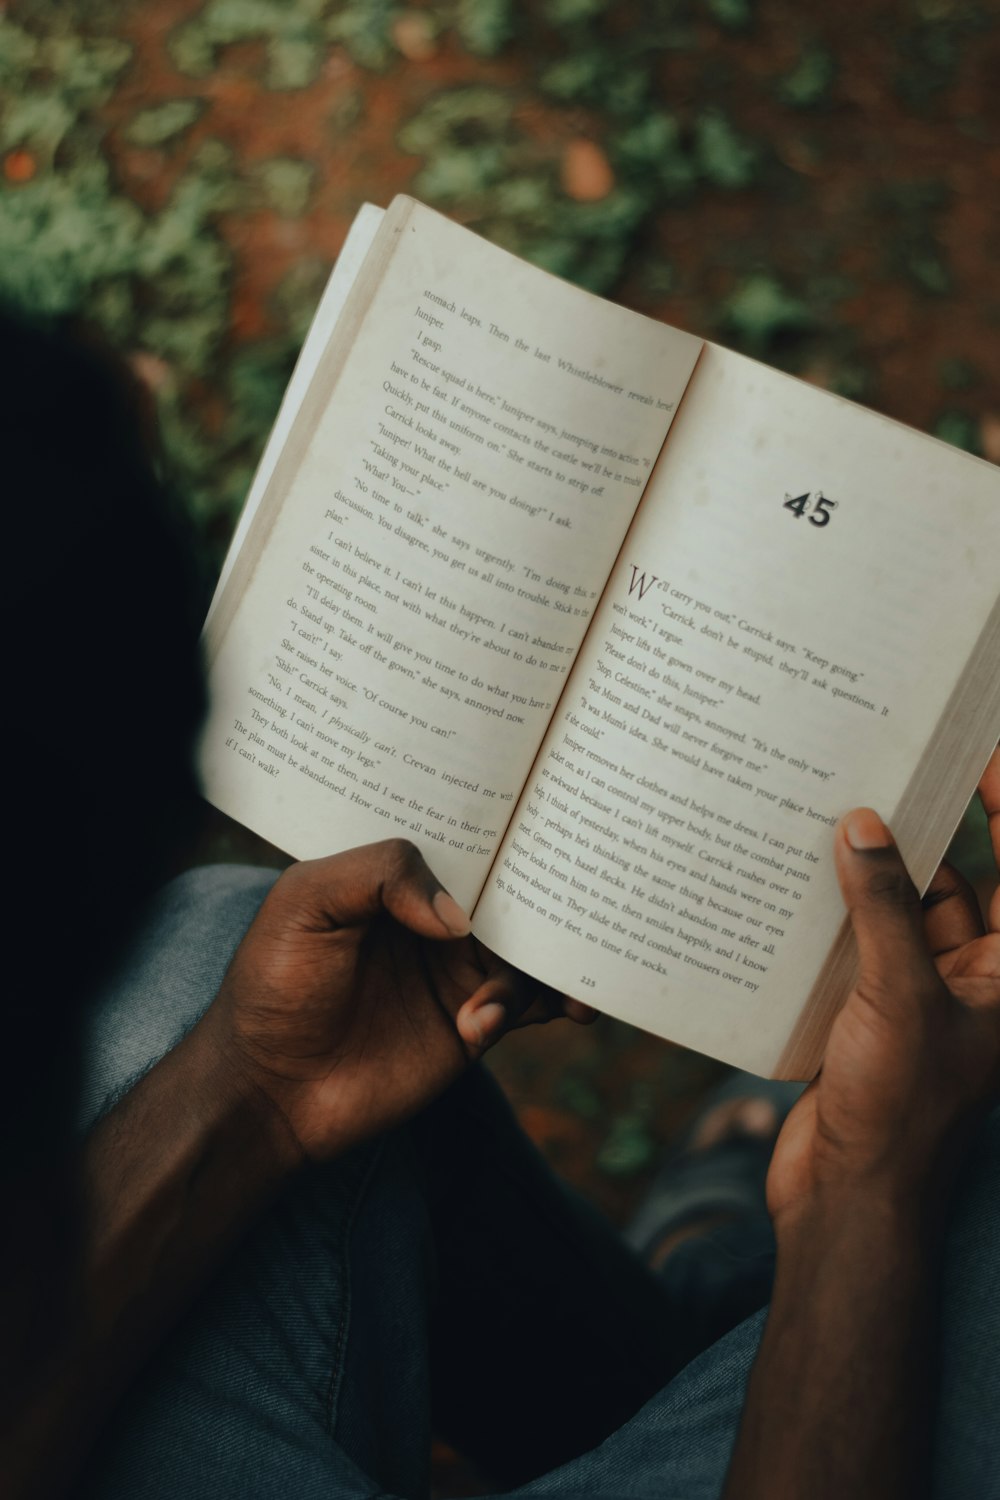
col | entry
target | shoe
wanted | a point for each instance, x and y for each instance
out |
(703, 1227)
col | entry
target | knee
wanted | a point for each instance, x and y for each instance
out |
(168, 976)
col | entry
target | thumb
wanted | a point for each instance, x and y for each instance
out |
(392, 876)
(884, 908)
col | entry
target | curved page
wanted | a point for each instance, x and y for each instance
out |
(421, 570)
(804, 586)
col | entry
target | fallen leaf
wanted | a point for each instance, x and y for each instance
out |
(989, 436)
(586, 172)
(413, 34)
(19, 166)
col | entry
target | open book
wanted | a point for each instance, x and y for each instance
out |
(613, 623)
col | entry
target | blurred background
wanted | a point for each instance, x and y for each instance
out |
(817, 185)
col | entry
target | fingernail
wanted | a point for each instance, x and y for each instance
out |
(491, 1018)
(865, 830)
(579, 1011)
(451, 914)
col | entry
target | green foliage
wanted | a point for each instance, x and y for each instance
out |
(929, 49)
(287, 184)
(970, 850)
(363, 27)
(293, 33)
(958, 375)
(616, 83)
(576, 78)
(297, 296)
(735, 15)
(557, 255)
(852, 380)
(159, 124)
(464, 139)
(658, 278)
(74, 245)
(159, 280)
(347, 111)
(474, 154)
(457, 176)
(485, 26)
(18, 52)
(68, 239)
(914, 250)
(958, 428)
(628, 1149)
(926, 267)
(51, 83)
(572, 12)
(578, 1094)
(626, 90)
(653, 152)
(259, 374)
(461, 119)
(723, 156)
(62, 236)
(760, 311)
(808, 84)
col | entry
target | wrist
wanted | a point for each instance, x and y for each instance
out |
(887, 1216)
(236, 1099)
(847, 1348)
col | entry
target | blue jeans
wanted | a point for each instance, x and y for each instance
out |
(440, 1279)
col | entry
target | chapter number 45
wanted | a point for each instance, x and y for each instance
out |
(818, 511)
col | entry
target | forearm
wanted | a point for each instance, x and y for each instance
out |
(839, 1399)
(171, 1179)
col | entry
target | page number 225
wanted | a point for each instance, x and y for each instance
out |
(818, 510)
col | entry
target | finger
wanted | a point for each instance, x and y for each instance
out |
(509, 1001)
(504, 1002)
(548, 1004)
(884, 909)
(505, 987)
(527, 1002)
(356, 886)
(951, 912)
(989, 795)
(541, 1005)
(486, 1015)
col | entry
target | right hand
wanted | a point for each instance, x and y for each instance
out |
(913, 1059)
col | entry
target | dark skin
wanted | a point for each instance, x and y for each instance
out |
(841, 1396)
(354, 1000)
(411, 1011)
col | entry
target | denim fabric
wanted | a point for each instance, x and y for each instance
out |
(305, 1370)
(967, 1457)
(248, 1396)
(678, 1446)
(170, 972)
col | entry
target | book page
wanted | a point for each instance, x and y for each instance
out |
(335, 294)
(802, 588)
(398, 626)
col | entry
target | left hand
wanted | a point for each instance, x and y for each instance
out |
(357, 996)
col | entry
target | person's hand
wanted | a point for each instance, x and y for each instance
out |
(357, 996)
(913, 1059)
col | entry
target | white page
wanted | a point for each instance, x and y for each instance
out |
(751, 676)
(437, 554)
(345, 270)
